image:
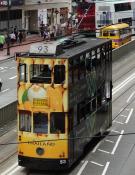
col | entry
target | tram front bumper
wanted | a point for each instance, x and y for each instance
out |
(43, 164)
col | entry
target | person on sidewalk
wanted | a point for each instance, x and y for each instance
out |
(2, 41)
(20, 37)
(12, 38)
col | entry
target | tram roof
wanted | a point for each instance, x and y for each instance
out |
(85, 45)
(90, 43)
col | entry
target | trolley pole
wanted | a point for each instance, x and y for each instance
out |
(8, 27)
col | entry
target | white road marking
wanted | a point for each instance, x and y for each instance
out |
(127, 109)
(5, 90)
(96, 163)
(118, 122)
(82, 167)
(115, 131)
(13, 77)
(10, 169)
(12, 68)
(3, 70)
(116, 144)
(109, 141)
(13, 171)
(104, 151)
(123, 115)
(96, 147)
(129, 115)
(129, 98)
(105, 169)
(121, 85)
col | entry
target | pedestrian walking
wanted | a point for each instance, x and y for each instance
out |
(16, 33)
(2, 41)
(20, 36)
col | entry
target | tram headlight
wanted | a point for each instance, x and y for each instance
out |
(40, 151)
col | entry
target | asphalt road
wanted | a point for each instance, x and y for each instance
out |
(113, 155)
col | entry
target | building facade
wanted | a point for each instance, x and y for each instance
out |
(29, 14)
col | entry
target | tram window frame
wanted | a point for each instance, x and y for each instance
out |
(23, 72)
(70, 119)
(42, 124)
(88, 61)
(57, 124)
(40, 74)
(59, 74)
(82, 67)
(71, 69)
(76, 69)
(24, 124)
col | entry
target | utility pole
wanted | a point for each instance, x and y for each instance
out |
(8, 27)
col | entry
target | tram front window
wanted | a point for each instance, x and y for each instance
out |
(40, 73)
(57, 122)
(25, 121)
(59, 74)
(40, 123)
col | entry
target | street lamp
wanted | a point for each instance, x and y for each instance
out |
(8, 27)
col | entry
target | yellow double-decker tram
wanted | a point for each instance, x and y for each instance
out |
(119, 33)
(64, 98)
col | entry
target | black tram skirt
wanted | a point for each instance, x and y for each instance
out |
(43, 164)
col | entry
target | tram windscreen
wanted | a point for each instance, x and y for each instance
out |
(40, 73)
(40, 123)
(59, 74)
(57, 122)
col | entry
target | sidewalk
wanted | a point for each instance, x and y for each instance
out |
(17, 47)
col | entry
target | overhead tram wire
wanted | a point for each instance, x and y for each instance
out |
(75, 138)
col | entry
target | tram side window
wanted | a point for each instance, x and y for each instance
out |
(23, 72)
(59, 74)
(88, 62)
(40, 73)
(25, 121)
(71, 69)
(57, 122)
(82, 68)
(105, 33)
(76, 70)
(112, 33)
(40, 123)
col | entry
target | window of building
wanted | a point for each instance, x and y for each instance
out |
(40, 123)
(57, 122)
(59, 74)
(23, 72)
(25, 121)
(40, 73)
(122, 6)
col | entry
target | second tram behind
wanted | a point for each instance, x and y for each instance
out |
(64, 99)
